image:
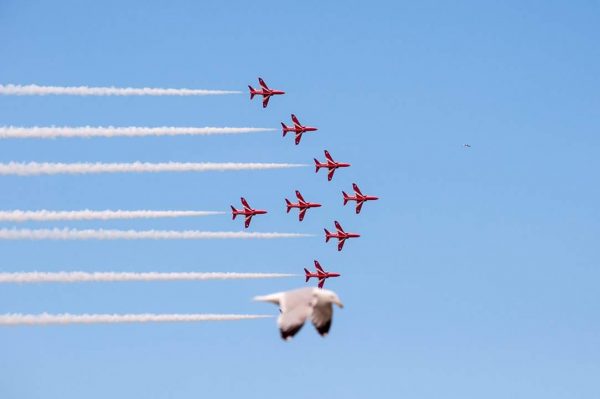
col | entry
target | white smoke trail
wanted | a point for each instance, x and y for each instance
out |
(45, 215)
(10, 132)
(101, 234)
(80, 277)
(45, 168)
(36, 90)
(16, 319)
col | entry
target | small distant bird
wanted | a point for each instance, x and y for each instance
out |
(298, 305)
(467, 145)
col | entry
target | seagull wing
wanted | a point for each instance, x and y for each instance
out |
(321, 317)
(296, 306)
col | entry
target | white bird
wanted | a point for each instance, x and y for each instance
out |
(298, 305)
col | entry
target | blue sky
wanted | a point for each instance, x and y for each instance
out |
(476, 273)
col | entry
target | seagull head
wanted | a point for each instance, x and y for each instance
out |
(329, 297)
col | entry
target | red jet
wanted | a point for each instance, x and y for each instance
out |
(298, 129)
(321, 274)
(302, 205)
(359, 197)
(341, 235)
(330, 164)
(264, 91)
(248, 212)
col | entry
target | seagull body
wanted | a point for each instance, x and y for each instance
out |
(298, 305)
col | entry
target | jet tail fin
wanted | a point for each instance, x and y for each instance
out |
(233, 212)
(306, 272)
(252, 92)
(345, 197)
(284, 128)
(317, 166)
(327, 235)
(288, 205)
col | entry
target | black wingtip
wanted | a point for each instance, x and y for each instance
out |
(324, 329)
(289, 334)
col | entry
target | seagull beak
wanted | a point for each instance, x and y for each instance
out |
(340, 304)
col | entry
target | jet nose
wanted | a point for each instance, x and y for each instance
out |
(317, 205)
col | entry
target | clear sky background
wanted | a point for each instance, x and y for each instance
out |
(476, 274)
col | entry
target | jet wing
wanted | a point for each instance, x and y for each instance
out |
(266, 101)
(359, 205)
(299, 196)
(263, 84)
(248, 220)
(318, 267)
(301, 214)
(338, 227)
(298, 138)
(245, 204)
(341, 244)
(321, 282)
(296, 121)
(328, 156)
(330, 174)
(356, 189)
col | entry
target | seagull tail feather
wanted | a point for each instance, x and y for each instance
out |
(273, 298)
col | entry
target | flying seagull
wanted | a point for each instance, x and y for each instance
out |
(467, 145)
(298, 305)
